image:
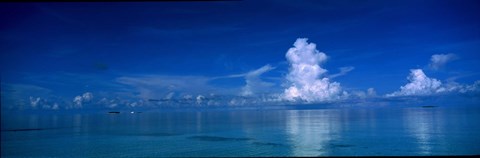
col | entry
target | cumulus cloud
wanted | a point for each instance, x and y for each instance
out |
(87, 96)
(50, 106)
(44, 103)
(17, 96)
(343, 71)
(120, 103)
(306, 79)
(77, 102)
(371, 92)
(55, 106)
(34, 101)
(253, 82)
(420, 84)
(452, 86)
(187, 97)
(200, 99)
(439, 60)
(80, 99)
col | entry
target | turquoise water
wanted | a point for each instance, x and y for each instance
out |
(318, 132)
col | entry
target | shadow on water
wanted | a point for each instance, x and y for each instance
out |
(267, 144)
(151, 134)
(216, 138)
(24, 129)
(32, 129)
(226, 139)
(341, 145)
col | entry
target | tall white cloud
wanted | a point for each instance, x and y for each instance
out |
(420, 84)
(253, 82)
(439, 60)
(306, 78)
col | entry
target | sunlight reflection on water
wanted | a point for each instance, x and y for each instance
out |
(321, 132)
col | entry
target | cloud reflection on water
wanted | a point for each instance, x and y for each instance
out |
(310, 132)
(424, 125)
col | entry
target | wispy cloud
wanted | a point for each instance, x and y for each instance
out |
(186, 32)
(254, 84)
(437, 61)
(156, 86)
(62, 17)
(343, 71)
(195, 89)
(22, 96)
(27, 96)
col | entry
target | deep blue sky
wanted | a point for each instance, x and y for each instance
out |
(67, 49)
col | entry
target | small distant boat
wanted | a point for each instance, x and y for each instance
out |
(114, 112)
(133, 112)
(429, 106)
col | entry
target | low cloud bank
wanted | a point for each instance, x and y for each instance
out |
(305, 82)
(419, 84)
(422, 85)
(79, 100)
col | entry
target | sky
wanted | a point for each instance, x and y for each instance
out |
(127, 55)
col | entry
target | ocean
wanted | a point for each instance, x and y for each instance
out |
(399, 131)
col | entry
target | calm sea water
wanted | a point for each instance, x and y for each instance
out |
(320, 132)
